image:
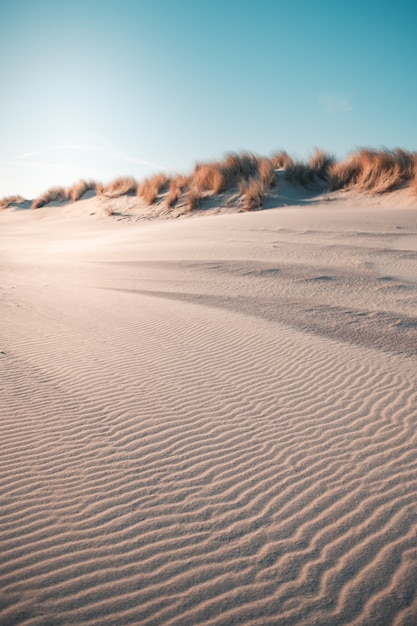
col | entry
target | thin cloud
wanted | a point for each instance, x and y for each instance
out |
(335, 102)
(68, 146)
(108, 151)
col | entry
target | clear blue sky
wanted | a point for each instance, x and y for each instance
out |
(101, 88)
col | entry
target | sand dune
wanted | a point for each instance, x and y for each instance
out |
(210, 421)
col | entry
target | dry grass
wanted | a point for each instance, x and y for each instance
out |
(77, 191)
(8, 200)
(266, 172)
(374, 171)
(315, 173)
(121, 186)
(219, 176)
(251, 177)
(282, 160)
(253, 193)
(414, 178)
(54, 194)
(150, 188)
(213, 177)
(193, 199)
(243, 165)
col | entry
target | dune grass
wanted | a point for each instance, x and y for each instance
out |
(252, 193)
(374, 171)
(121, 186)
(77, 190)
(193, 199)
(251, 177)
(152, 187)
(8, 200)
(175, 189)
(54, 194)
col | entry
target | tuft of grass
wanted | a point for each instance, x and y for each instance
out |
(253, 193)
(54, 194)
(193, 200)
(320, 162)
(266, 172)
(213, 177)
(374, 171)
(282, 160)
(150, 188)
(243, 165)
(77, 191)
(315, 173)
(414, 177)
(8, 200)
(121, 186)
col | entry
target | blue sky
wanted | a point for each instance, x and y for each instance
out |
(106, 88)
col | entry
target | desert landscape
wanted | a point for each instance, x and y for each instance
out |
(209, 396)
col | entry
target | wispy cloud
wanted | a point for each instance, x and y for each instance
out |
(105, 149)
(335, 102)
(67, 146)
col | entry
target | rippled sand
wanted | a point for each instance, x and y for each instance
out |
(209, 421)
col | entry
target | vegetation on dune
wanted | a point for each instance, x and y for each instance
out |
(54, 194)
(250, 178)
(77, 191)
(8, 200)
(152, 187)
(375, 171)
(122, 186)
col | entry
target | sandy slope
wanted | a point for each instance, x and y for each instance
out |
(210, 421)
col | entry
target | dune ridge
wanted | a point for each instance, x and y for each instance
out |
(247, 179)
(209, 421)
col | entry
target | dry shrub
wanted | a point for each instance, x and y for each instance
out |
(282, 160)
(54, 194)
(150, 188)
(77, 191)
(8, 200)
(252, 192)
(122, 186)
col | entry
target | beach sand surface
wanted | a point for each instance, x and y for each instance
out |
(210, 420)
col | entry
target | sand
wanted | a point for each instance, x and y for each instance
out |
(210, 420)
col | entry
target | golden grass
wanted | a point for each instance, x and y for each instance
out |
(175, 189)
(193, 199)
(414, 177)
(8, 200)
(374, 171)
(54, 194)
(368, 170)
(77, 191)
(213, 177)
(253, 193)
(150, 188)
(122, 186)
(266, 172)
(314, 173)
(282, 160)
(243, 165)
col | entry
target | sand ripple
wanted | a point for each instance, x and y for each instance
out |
(193, 465)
